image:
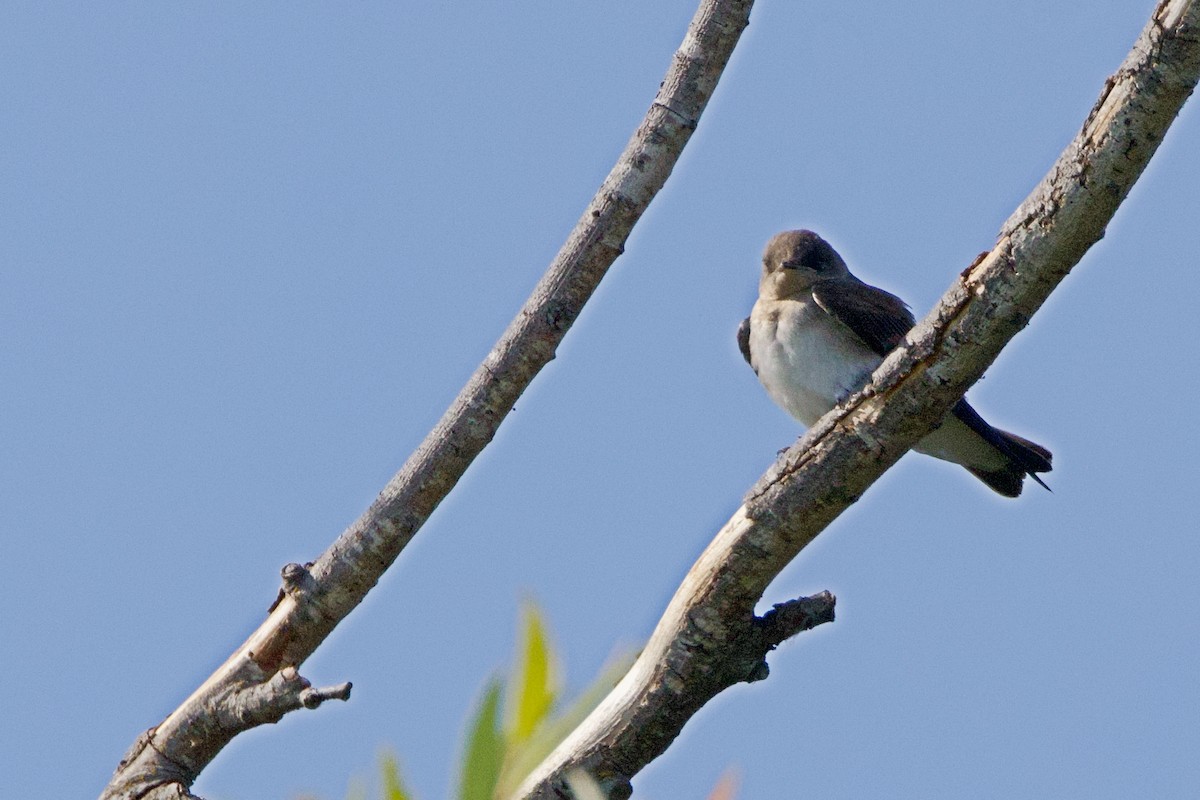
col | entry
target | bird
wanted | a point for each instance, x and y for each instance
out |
(815, 335)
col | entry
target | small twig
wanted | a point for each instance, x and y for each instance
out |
(267, 703)
(785, 620)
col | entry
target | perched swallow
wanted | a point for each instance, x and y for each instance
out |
(817, 333)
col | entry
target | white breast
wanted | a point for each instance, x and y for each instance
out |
(806, 360)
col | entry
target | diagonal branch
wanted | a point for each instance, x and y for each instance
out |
(167, 759)
(840, 457)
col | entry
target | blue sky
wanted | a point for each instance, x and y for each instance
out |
(249, 255)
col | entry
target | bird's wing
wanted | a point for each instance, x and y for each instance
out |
(881, 320)
(743, 340)
(878, 318)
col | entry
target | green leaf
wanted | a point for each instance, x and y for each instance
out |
(533, 685)
(393, 788)
(522, 757)
(485, 748)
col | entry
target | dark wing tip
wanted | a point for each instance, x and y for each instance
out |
(1024, 457)
(1032, 455)
(743, 341)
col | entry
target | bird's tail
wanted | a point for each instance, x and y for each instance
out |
(1024, 458)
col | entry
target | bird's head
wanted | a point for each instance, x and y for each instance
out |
(794, 261)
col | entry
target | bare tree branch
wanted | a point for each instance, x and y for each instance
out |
(696, 649)
(167, 759)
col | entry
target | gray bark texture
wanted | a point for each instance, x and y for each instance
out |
(258, 683)
(707, 638)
